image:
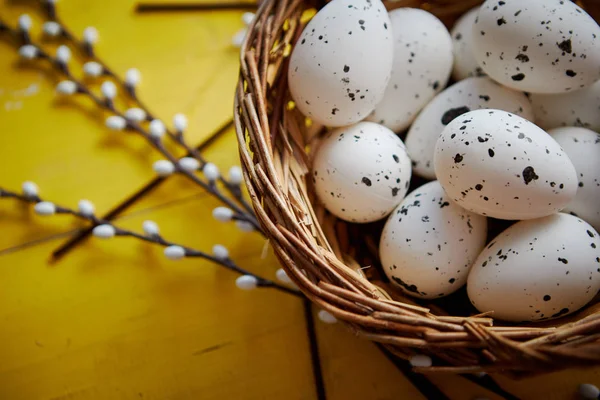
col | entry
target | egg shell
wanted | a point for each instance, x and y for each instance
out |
(361, 172)
(583, 148)
(538, 269)
(576, 108)
(538, 46)
(465, 64)
(341, 64)
(421, 68)
(466, 95)
(500, 165)
(429, 243)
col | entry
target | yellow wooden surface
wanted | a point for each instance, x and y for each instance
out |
(114, 319)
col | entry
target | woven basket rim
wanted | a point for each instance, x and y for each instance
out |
(272, 142)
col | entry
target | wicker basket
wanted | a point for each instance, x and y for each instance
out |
(324, 256)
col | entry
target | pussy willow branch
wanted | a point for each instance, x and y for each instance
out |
(177, 137)
(157, 239)
(107, 104)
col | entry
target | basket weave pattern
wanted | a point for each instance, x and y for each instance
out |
(319, 252)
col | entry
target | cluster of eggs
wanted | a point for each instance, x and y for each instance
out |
(514, 138)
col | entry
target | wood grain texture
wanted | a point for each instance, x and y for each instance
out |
(114, 319)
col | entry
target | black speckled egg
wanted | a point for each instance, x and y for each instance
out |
(500, 165)
(538, 46)
(538, 269)
(429, 243)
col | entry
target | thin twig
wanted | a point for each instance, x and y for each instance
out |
(157, 239)
(107, 104)
(419, 381)
(63, 249)
(162, 7)
(176, 137)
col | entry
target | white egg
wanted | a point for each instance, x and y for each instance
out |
(500, 165)
(465, 64)
(538, 269)
(538, 46)
(428, 243)
(422, 65)
(361, 172)
(466, 95)
(583, 148)
(576, 108)
(341, 64)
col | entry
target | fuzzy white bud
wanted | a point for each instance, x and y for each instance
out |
(157, 128)
(66, 88)
(90, 35)
(30, 189)
(211, 172)
(25, 22)
(28, 52)
(51, 28)
(189, 164)
(247, 18)
(238, 38)
(222, 214)
(220, 252)
(421, 360)
(116, 123)
(109, 90)
(174, 252)
(104, 231)
(63, 54)
(588, 391)
(326, 317)
(244, 226)
(44, 208)
(132, 77)
(92, 69)
(150, 228)
(135, 114)
(180, 122)
(163, 167)
(86, 207)
(283, 277)
(235, 175)
(246, 282)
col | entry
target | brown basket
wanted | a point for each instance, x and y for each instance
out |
(323, 255)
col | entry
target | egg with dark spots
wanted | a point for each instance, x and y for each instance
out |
(540, 46)
(342, 61)
(428, 243)
(519, 172)
(537, 269)
(583, 147)
(361, 172)
(421, 68)
(462, 97)
(575, 108)
(465, 64)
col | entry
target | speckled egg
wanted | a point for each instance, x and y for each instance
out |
(500, 165)
(465, 64)
(583, 148)
(428, 243)
(361, 172)
(539, 269)
(341, 64)
(538, 46)
(464, 96)
(422, 65)
(577, 108)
